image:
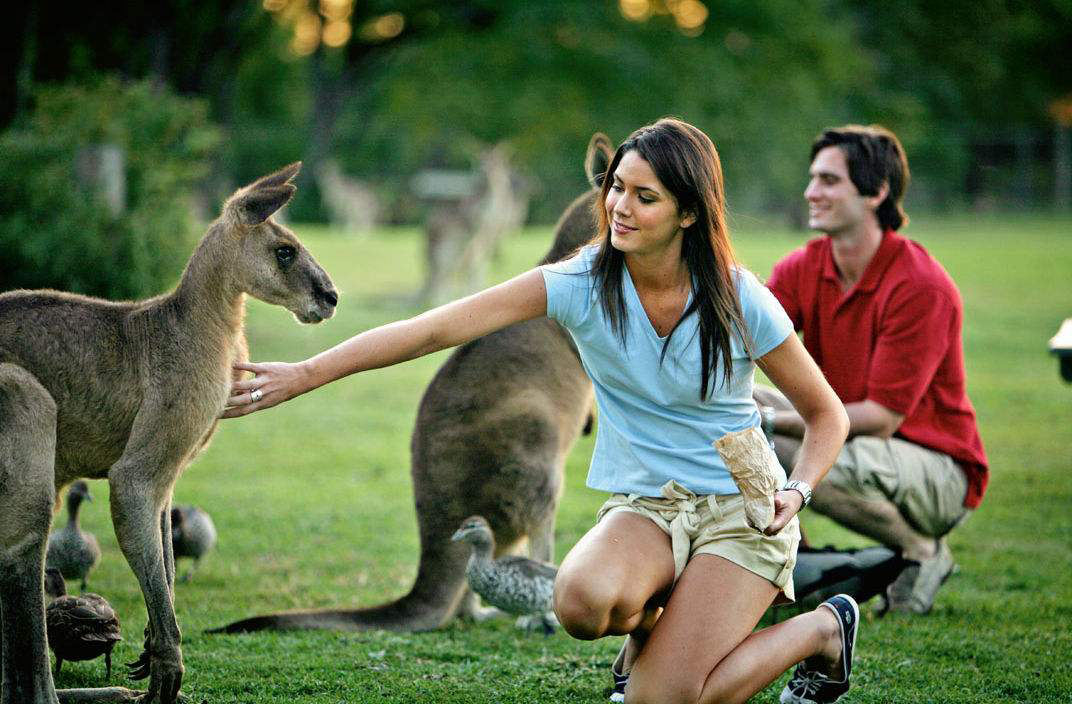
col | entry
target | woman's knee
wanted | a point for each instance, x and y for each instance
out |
(667, 690)
(660, 688)
(582, 606)
(589, 608)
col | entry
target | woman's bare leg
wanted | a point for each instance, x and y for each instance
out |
(615, 578)
(702, 648)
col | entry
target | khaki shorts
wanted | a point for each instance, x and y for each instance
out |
(715, 525)
(927, 487)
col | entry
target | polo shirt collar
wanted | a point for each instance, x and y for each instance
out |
(885, 253)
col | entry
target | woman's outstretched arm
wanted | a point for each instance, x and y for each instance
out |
(794, 372)
(521, 298)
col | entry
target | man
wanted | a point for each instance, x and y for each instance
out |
(882, 319)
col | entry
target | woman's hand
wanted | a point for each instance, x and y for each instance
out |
(272, 384)
(786, 505)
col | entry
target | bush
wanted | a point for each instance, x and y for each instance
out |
(56, 230)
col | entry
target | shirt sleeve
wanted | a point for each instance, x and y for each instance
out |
(782, 284)
(569, 288)
(913, 337)
(766, 320)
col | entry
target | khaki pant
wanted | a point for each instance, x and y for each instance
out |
(715, 525)
(927, 487)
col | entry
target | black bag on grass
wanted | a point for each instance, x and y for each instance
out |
(820, 573)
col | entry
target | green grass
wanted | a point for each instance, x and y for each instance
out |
(313, 504)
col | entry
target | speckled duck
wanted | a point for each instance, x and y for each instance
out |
(517, 585)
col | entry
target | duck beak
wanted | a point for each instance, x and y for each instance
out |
(458, 535)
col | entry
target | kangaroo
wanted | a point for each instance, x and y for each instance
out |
(130, 392)
(491, 438)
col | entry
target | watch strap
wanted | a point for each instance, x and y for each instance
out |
(801, 487)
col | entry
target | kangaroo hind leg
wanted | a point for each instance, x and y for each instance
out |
(27, 494)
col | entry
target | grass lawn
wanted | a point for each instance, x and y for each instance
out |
(314, 508)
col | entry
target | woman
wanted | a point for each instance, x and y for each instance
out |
(669, 329)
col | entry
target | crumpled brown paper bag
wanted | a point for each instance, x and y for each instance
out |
(755, 470)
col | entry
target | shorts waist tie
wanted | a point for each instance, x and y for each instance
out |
(682, 516)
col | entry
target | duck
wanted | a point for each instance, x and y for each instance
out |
(71, 550)
(79, 627)
(192, 535)
(517, 585)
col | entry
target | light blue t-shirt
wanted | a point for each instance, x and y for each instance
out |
(652, 425)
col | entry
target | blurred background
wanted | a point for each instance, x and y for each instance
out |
(402, 107)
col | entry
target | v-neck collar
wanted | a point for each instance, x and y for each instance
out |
(644, 313)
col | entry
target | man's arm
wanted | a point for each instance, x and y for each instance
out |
(910, 346)
(865, 418)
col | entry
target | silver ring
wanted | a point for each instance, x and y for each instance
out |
(255, 395)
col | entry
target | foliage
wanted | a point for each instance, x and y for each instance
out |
(545, 81)
(55, 230)
(967, 87)
(314, 505)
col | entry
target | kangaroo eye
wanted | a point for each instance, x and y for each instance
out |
(285, 255)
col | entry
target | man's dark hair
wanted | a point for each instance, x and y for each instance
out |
(875, 156)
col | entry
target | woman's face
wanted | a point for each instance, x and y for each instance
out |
(643, 214)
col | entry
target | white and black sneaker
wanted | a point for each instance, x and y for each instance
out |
(617, 692)
(621, 678)
(808, 686)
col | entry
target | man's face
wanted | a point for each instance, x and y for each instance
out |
(834, 204)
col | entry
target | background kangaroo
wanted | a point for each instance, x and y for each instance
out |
(130, 392)
(491, 438)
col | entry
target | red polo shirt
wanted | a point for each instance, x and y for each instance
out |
(894, 338)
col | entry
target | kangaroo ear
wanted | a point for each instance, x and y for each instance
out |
(253, 206)
(278, 178)
(598, 158)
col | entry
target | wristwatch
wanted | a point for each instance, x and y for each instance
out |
(802, 487)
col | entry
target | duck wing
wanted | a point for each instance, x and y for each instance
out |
(527, 568)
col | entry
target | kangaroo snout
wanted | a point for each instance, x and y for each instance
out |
(321, 304)
(326, 295)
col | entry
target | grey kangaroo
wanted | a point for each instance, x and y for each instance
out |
(130, 392)
(491, 438)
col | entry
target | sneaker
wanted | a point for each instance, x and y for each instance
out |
(808, 686)
(915, 588)
(617, 692)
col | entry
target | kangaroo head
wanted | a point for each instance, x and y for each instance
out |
(271, 262)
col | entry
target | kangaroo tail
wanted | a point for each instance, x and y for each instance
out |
(431, 603)
(405, 614)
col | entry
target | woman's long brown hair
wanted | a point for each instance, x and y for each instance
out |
(685, 161)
